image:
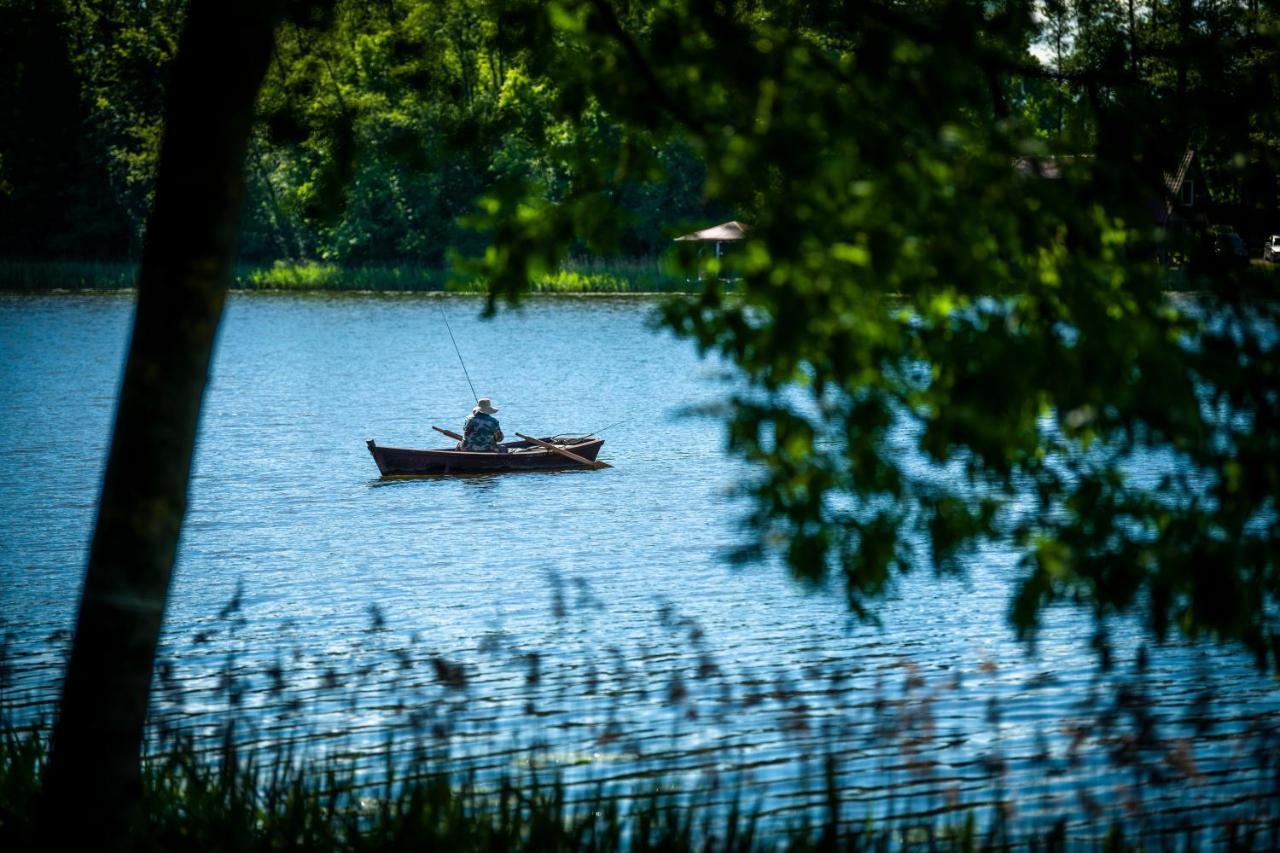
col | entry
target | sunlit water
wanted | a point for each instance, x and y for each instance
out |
(653, 654)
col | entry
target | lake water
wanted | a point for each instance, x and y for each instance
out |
(596, 622)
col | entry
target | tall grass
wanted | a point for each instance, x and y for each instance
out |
(250, 799)
(577, 276)
(312, 275)
(386, 744)
(638, 275)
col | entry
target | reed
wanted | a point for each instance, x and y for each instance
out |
(629, 274)
(240, 800)
(315, 275)
(249, 800)
(580, 275)
(390, 744)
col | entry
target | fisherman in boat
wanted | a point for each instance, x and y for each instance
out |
(480, 431)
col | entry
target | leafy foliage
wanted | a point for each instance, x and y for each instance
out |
(950, 320)
(380, 124)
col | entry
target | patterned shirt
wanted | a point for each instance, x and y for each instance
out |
(480, 433)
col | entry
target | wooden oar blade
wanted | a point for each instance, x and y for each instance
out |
(565, 453)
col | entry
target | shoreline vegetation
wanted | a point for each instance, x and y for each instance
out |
(237, 799)
(577, 276)
(245, 799)
(227, 790)
(383, 742)
(222, 791)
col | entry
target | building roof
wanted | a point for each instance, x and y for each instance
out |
(1165, 206)
(1173, 181)
(1171, 207)
(719, 233)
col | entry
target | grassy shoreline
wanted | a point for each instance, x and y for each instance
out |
(503, 745)
(245, 800)
(579, 276)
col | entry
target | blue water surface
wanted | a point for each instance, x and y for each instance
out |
(599, 625)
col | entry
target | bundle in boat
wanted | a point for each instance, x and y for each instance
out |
(527, 454)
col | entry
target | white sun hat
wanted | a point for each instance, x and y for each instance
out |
(485, 405)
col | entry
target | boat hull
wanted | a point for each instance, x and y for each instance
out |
(521, 456)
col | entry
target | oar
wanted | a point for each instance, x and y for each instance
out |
(452, 435)
(581, 460)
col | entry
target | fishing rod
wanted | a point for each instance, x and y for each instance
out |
(474, 396)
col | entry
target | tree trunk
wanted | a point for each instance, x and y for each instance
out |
(1058, 25)
(1133, 42)
(92, 780)
(1181, 57)
(286, 237)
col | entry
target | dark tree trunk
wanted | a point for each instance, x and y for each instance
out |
(1133, 40)
(1181, 57)
(92, 780)
(1058, 25)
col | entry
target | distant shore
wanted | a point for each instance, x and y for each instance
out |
(622, 276)
(626, 276)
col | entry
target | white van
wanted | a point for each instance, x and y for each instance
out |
(1271, 251)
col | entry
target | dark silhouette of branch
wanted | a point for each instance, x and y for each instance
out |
(659, 92)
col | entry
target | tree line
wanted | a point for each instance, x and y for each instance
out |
(378, 130)
(379, 125)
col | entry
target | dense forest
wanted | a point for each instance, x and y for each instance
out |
(378, 130)
(381, 124)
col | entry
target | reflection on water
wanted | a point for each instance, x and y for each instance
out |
(579, 618)
(473, 477)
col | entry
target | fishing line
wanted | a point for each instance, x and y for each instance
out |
(474, 396)
(594, 432)
(609, 427)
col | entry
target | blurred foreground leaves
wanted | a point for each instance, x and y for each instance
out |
(949, 314)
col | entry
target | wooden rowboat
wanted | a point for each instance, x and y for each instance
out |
(524, 455)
